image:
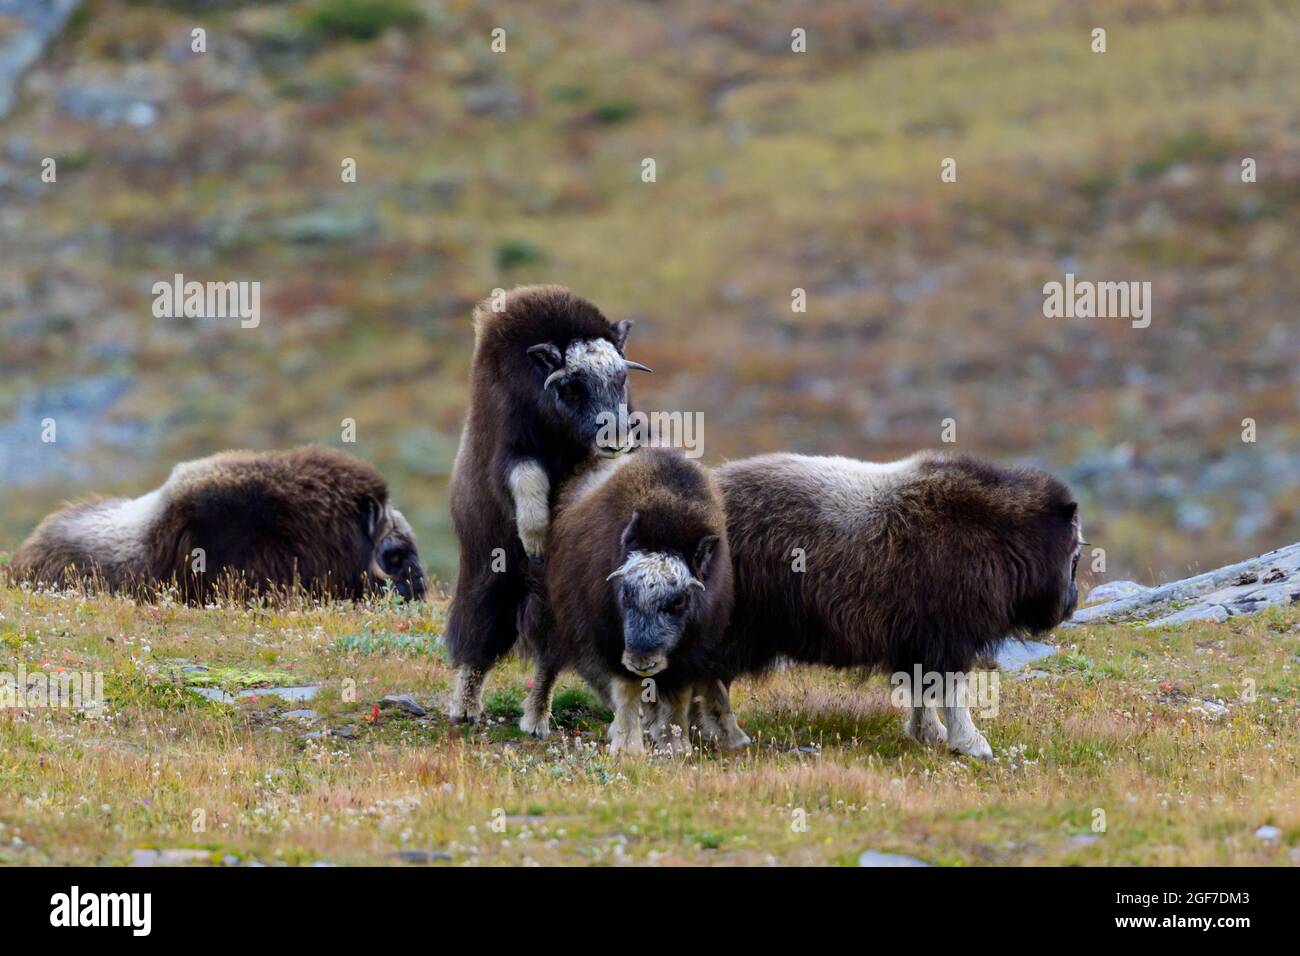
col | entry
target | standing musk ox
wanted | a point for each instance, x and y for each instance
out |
(930, 561)
(256, 521)
(548, 373)
(637, 588)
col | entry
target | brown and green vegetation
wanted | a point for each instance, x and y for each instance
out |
(1117, 723)
(775, 171)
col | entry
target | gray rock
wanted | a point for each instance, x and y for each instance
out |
(1085, 839)
(1212, 613)
(1113, 590)
(1271, 579)
(327, 225)
(493, 99)
(168, 857)
(284, 693)
(1268, 833)
(81, 410)
(128, 97)
(424, 856)
(403, 702)
(1013, 654)
(36, 25)
(1035, 673)
(873, 858)
(1212, 708)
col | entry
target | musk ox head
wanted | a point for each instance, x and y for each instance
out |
(658, 595)
(584, 385)
(1053, 591)
(395, 560)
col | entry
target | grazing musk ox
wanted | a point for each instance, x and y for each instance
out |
(928, 561)
(637, 587)
(311, 517)
(547, 370)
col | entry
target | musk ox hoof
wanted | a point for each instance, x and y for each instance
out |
(678, 743)
(928, 731)
(457, 715)
(975, 746)
(538, 726)
(630, 744)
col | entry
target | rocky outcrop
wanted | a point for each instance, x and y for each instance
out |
(1272, 579)
(26, 27)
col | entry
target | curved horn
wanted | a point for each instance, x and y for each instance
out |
(630, 364)
(617, 573)
(554, 377)
(695, 583)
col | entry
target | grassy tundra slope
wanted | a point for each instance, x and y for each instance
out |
(1117, 724)
(775, 171)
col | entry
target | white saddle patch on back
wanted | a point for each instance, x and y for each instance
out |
(114, 531)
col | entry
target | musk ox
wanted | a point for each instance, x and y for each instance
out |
(929, 561)
(637, 591)
(256, 521)
(548, 373)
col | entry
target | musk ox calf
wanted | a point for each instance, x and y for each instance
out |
(637, 592)
(256, 521)
(548, 372)
(929, 561)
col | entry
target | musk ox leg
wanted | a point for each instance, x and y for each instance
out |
(711, 712)
(482, 626)
(536, 720)
(625, 731)
(531, 491)
(669, 723)
(922, 720)
(963, 736)
(467, 696)
(922, 725)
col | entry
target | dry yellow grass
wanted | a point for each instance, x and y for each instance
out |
(1115, 728)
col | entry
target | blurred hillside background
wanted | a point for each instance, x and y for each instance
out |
(775, 171)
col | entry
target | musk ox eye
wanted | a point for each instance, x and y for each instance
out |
(676, 606)
(571, 393)
(393, 557)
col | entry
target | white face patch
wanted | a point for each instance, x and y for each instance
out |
(596, 358)
(650, 578)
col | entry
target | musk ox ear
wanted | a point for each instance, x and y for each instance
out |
(704, 555)
(374, 512)
(547, 357)
(628, 540)
(1069, 510)
(621, 329)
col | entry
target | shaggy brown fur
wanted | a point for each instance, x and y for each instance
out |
(604, 613)
(310, 517)
(528, 428)
(932, 561)
(935, 566)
